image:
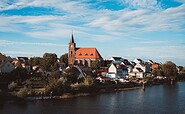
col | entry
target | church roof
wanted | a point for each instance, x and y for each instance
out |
(87, 53)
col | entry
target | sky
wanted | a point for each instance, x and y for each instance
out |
(145, 29)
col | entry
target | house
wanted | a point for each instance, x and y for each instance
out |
(104, 80)
(82, 56)
(117, 71)
(150, 62)
(24, 62)
(137, 72)
(61, 66)
(6, 67)
(116, 59)
(137, 61)
(155, 66)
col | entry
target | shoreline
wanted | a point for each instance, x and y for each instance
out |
(81, 94)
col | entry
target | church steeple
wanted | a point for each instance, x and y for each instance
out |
(71, 51)
(72, 39)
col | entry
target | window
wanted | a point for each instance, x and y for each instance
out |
(86, 54)
(80, 54)
(91, 54)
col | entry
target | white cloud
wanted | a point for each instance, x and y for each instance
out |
(171, 19)
(7, 43)
(18, 53)
(140, 4)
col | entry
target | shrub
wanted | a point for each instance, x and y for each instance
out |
(88, 81)
(23, 92)
(12, 86)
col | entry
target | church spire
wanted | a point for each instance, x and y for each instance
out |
(72, 39)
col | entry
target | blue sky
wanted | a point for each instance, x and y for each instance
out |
(146, 29)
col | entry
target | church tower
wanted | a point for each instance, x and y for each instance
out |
(71, 51)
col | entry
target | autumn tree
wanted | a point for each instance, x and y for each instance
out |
(169, 69)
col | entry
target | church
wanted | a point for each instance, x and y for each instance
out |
(82, 56)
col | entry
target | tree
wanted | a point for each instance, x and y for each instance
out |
(49, 60)
(183, 69)
(35, 61)
(169, 69)
(64, 58)
(157, 72)
(95, 64)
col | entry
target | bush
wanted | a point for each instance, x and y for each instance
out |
(23, 92)
(88, 81)
(12, 86)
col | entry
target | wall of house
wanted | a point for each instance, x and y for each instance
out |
(112, 68)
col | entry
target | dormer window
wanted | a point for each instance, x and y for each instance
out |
(80, 54)
(86, 54)
(91, 54)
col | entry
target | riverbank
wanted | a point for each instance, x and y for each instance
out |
(88, 91)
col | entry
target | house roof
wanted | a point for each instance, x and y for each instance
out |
(117, 58)
(88, 53)
(139, 69)
(2, 57)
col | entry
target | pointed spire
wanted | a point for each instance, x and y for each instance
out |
(72, 39)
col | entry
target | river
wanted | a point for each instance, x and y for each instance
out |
(159, 99)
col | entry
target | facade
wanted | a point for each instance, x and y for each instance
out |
(117, 71)
(82, 56)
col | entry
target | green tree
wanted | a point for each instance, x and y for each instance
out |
(49, 60)
(169, 69)
(64, 58)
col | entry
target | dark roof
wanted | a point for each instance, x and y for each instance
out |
(139, 69)
(117, 58)
(123, 67)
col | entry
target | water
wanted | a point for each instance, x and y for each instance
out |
(160, 99)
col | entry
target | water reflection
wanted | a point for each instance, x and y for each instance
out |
(154, 100)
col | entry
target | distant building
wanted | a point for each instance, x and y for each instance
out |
(82, 56)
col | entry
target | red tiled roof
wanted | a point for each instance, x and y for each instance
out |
(87, 53)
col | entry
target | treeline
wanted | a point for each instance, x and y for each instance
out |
(49, 61)
(171, 71)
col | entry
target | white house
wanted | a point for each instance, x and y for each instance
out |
(6, 67)
(117, 71)
(138, 61)
(137, 72)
